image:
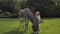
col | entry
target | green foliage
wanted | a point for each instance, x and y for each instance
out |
(46, 7)
(56, 1)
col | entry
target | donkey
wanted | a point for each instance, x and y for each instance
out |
(25, 14)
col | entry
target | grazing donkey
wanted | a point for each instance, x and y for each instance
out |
(25, 14)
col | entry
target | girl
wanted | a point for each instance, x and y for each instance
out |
(38, 17)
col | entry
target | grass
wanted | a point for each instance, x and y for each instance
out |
(12, 26)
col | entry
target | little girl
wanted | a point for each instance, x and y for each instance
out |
(37, 15)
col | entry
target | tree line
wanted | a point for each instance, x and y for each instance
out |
(48, 8)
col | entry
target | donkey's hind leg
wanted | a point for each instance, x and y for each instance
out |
(26, 25)
(21, 24)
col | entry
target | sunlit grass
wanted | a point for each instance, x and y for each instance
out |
(12, 26)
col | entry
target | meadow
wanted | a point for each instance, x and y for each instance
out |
(12, 26)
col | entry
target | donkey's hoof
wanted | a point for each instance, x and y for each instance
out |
(35, 33)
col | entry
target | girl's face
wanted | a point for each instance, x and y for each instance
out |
(37, 14)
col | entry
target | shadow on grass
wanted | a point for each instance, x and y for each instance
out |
(14, 32)
(31, 33)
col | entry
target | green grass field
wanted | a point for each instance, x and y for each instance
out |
(12, 26)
